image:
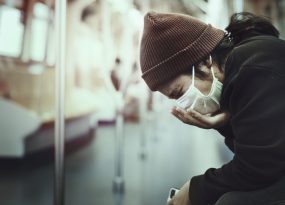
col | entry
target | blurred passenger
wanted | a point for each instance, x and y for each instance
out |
(84, 47)
(231, 81)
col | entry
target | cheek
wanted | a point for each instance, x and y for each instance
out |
(204, 86)
(185, 83)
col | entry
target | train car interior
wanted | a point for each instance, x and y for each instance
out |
(121, 144)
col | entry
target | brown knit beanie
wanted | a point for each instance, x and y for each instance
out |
(171, 44)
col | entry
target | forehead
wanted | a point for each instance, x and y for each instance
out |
(175, 83)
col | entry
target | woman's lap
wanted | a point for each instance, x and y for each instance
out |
(272, 195)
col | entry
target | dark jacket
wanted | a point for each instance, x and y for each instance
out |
(254, 94)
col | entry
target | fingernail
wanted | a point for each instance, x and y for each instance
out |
(189, 110)
(178, 108)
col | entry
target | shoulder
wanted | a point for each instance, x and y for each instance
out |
(264, 42)
(250, 64)
(260, 52)
(254, 89)
(264, 52)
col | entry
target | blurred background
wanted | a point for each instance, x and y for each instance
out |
(122, 144)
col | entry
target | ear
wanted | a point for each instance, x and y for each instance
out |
(204, 67)
(209, 61)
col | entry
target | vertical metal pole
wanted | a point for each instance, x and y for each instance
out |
(60, 27)
(118, 182)
(143, 107)
(238, 5)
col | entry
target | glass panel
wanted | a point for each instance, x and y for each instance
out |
(27, 131)
(27, 115)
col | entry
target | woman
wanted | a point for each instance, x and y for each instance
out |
(231, 81)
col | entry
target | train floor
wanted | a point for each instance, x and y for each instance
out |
(158, 154)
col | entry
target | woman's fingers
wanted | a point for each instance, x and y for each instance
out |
(214, 121)
(180, 115)
(193, 117)
(183, 116)
(201, 118)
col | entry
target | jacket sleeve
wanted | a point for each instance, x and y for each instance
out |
(227, 132)
(257, 106)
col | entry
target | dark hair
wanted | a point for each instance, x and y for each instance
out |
(242, 26)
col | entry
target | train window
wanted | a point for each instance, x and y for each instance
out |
(39, 37)
(50, 55)
(40, 24)
(41, 11)
(11, 31)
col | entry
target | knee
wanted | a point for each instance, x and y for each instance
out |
(231, 198)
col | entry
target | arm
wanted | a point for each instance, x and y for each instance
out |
(219, 121)
(257, 106)
(227, 132)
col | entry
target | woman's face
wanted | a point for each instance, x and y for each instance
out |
(176, 87)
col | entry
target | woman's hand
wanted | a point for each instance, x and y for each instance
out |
(182, 197)
(192, 117)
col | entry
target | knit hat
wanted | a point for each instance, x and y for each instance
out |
(171, 43)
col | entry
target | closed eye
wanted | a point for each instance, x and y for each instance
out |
(176, 93)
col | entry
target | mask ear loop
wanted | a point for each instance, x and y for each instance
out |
(213, 74)
(212, 70)
(193, 74)
(193, 78)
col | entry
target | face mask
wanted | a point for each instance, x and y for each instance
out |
(194, 99)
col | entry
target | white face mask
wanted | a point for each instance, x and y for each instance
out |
(194, 99)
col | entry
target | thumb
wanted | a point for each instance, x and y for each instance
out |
(220, 119)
